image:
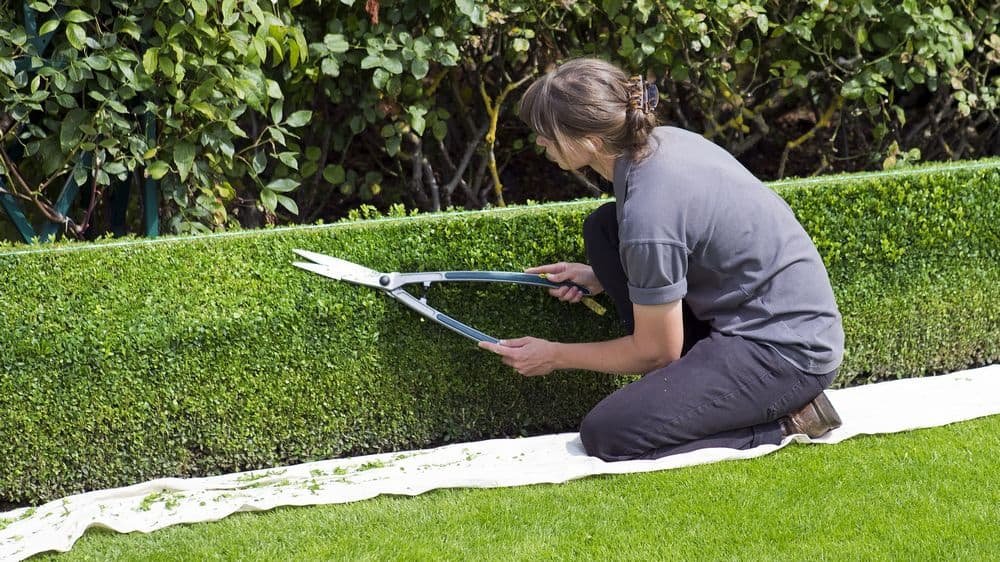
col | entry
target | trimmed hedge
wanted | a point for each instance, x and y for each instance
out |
(125, 361)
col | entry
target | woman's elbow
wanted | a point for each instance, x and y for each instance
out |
(658, 357)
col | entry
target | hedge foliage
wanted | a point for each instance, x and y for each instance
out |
(293, 110)
(124, 361)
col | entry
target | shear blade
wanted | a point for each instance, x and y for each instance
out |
(317, 268)
(336, 268)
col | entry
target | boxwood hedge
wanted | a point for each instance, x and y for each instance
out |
(127, 360)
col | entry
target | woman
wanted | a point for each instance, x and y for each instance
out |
(726, 303)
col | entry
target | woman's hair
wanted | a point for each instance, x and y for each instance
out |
(591, 97)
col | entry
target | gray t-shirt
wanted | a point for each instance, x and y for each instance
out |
(695, 224)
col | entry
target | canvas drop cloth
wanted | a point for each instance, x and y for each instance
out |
(878, 408)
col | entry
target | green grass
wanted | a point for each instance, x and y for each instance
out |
(924, 495)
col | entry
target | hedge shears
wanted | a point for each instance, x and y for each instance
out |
(393, 284)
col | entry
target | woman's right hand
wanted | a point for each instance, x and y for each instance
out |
(579, 273)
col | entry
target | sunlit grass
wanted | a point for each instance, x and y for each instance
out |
(924, 495)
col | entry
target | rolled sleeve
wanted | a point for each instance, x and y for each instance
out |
(657, 272)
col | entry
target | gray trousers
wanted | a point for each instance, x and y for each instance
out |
(724, 391)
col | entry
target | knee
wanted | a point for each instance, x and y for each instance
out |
(604, 434)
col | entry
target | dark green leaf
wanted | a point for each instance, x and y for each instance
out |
(69, 133)
(334, 173)
(184, 153)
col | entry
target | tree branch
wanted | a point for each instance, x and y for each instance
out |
(493, 108)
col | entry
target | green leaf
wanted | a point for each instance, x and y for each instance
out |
(48, 27)
(277, 134)
(419, 68)
(200, 7)
(330, 67)
(98, 62)
(150, 60)
(77, 36)
(299, 118)
(229, 13)
(440, 129)
(260, 47)
(259, 162)
(70, 132)
(184, 158)
(336, 43)
(277, 111)
(283, 185)
(114, 168)
(380, 77)
(469, 8)
(273, 89)
(422, 47)
(762, 23)
(205, 108)
(393, 65)
(158, 169)
(166, 66)
(357, 124)
(334, 173)
(235, 129)
(392, 145)
(288, 159)
(288, 203)
(269, 199)
(78, 16)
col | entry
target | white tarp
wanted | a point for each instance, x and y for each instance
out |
(879, 408)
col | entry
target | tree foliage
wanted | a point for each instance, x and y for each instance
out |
(295, 111)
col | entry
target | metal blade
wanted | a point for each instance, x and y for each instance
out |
(336, 268)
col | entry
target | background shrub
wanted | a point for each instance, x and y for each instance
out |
(296, 111)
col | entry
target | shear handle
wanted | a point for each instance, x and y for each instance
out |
(432, 314)
(487, 276)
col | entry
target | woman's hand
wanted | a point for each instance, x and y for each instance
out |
(529, 356)
(579, 273)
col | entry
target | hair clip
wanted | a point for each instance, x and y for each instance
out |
(650, 96)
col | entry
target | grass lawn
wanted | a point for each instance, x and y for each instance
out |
(931, 494)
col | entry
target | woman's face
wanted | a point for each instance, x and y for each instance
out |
(572, 157)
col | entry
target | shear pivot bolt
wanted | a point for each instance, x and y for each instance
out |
(384, 280)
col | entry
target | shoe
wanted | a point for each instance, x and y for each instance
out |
(815, 419)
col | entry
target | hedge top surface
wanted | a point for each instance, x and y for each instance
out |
(782, 185)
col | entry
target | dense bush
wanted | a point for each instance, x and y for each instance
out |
(123, 361)
(294, 111)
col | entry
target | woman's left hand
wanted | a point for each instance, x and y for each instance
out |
(529, 356)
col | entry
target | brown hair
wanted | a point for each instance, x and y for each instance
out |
(591, 97)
